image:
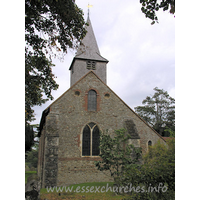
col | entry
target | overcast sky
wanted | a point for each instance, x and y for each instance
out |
(141, 56)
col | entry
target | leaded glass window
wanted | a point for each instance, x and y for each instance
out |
(90, 140)
(95, 141)
(92, 100)
(86, 141)
(91, 124)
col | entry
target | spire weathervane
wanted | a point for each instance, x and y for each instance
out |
(89, 6)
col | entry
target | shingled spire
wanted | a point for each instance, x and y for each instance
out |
(89, 48)
(88, 57)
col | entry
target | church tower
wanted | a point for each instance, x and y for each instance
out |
(88, 58)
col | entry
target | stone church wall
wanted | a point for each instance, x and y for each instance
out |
(64, 163)
(60, 150)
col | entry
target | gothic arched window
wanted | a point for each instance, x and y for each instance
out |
(90, 140)
(92, 100)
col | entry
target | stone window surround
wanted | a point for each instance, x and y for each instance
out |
(81, 138)
(86, 100)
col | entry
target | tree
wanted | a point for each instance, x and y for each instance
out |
(117, 154)
(51, 27)
(161, 159)
(31, 137)
(149, 8)
(32, 157)
(158, 111)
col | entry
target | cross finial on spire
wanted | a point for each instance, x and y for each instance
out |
(89, 6)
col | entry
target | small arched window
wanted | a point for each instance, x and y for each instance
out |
(149, 143)
(90, 140)
(92, 100)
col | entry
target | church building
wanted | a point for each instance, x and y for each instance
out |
(70, 126)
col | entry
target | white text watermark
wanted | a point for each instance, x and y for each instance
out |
(101, 189)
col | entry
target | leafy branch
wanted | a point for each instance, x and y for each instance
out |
(150, 7)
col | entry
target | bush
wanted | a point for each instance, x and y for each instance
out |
(156, 176)
(153, 178)
(117, 155)
(32, 158)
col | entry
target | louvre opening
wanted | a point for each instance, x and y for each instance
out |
(91, 65)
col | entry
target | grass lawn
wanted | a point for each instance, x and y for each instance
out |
(89, 191)
(28, 173)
